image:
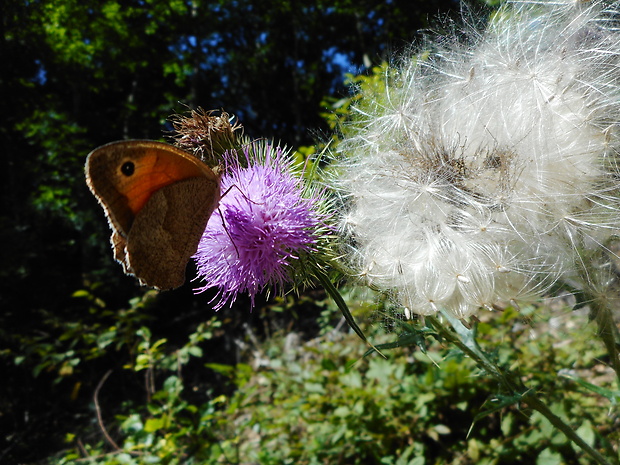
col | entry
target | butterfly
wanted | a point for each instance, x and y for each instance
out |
(157, 199)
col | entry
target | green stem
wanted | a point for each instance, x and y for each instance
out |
(556, 421)
(465, 339)
(608, 332)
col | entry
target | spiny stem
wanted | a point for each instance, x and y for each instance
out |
(465, 339)
(556, 421)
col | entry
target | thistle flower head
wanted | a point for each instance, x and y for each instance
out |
(267, 220)
(206, 134)
(488, 168)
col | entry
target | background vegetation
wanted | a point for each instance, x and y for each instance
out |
(99, 370)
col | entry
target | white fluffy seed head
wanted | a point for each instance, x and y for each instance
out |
(489, 165)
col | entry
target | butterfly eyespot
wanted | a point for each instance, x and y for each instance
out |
(128, 168)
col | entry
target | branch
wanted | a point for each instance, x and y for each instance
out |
(98, 409)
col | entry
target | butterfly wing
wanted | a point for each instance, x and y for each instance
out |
(166, 232)
(157, 199)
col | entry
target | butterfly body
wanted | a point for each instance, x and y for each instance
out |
(158, 200)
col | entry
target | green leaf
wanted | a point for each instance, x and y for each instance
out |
(195, 351)
(132, 424)
(612, 396)
(342, 305)
(587, 432)
(81, 293)
(498, 403)
(549, 457)
(226, 370)
(153, 424)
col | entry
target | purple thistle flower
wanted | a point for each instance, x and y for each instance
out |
(262, 225)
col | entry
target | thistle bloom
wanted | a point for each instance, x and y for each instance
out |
(263, 225)
(487, 170)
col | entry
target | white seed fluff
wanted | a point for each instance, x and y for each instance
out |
(487, 170)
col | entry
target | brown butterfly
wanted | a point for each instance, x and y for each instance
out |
(158, 200)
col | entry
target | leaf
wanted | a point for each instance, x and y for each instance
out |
(342, 411)
(499, 403)
(507, 422)
(411, 337)
(132, 424)
(81, 293)
(548, 457)
(442, 429)
(220, 368)
(342, 305)
(587, 433)
(195, 351)
(612, 396)
(154, 424)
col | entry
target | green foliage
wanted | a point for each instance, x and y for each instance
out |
(371, 83)
(69, 343)
(319, 401)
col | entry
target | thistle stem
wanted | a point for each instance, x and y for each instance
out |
(535, 403)
(465, 339)
(608, 332)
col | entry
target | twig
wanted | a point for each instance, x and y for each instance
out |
(82, 449)
(98, 410)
